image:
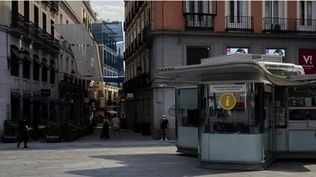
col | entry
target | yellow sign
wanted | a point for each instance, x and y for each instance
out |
(227, 101)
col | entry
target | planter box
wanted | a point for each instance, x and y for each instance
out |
(52, 139)
(10, 139)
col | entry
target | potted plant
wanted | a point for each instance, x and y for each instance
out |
(10, 132)
(53, 132)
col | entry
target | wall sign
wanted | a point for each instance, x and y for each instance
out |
(227, 88)
(306, 59)
(227, 101)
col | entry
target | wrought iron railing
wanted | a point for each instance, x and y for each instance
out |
(274, 24)
(199, 22)
(26, 27)
(239, 23)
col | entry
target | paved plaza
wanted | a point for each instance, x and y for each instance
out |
(133, 155)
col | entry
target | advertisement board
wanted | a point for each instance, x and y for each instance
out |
(305, 59)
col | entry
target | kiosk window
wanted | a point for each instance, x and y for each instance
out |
(302, 103)
(187, 108)
(248, 115)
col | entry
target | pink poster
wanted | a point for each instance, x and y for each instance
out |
(307, 59)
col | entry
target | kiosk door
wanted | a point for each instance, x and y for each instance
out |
(269, 122)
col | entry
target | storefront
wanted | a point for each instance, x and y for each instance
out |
(244, 111)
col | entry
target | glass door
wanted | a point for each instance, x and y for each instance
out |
(269, 121)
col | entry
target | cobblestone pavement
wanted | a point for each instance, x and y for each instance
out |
(132, 156)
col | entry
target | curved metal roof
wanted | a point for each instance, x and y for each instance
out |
(235, 70)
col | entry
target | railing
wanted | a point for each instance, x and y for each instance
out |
(306, 25)
(53, 5)
(199, 22)
(136, 6)
(26, 27)
(273, 24)
(138, 82)
(239, 23)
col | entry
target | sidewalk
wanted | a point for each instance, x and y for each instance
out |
(127, 138)
(134, 155)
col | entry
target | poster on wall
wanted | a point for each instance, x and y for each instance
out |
(274, 51)
(306, 58)
(234, 50)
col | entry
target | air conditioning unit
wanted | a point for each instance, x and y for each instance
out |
(276, 27)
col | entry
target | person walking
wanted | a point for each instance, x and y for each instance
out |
(23, 133)
(105, 129)
(116, 123)
(164, 128)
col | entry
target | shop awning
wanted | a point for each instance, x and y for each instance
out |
(226, 70)
(84, 49)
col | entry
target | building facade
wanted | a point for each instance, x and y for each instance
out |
(107, 35)
(160, 34)
(39, 77)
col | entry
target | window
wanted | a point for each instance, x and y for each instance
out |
(44, 22)
(237, 11)
(195, 54)
(67, 65)
(199, 14)
(26, 68)
(199, 7)
(247, 107)
(36, 68)
(61, 19)
(15, 7)
(44, 70)
(302, 103)
(236, 50)
(272, 8)
(27, 10)
(36, 14)
(67, 22)
(14, 61)
(52, 31)
(306, 13)
(15, 108)
(52, 75)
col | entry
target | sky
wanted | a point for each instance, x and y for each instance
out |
(109, 10)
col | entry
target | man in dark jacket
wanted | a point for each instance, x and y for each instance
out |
(164, 127)
(23, 133)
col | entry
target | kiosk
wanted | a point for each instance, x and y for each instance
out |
(244, 111)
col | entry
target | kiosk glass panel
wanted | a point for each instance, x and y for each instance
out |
(187, 107)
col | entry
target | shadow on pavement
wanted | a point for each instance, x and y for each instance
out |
(290, 165)
(149, 165)
(175, 165)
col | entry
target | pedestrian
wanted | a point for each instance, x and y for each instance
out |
(164, 128)
(116, 123)
(23, 133)
(105, 128)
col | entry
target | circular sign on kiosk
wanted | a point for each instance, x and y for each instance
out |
(227, 101)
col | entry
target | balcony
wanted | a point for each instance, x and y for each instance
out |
(275, 25)
(239, 23)
(53, 5)
(306, 25)
(32, 32)
(136, 6)
(199, 22)
(139, 82)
